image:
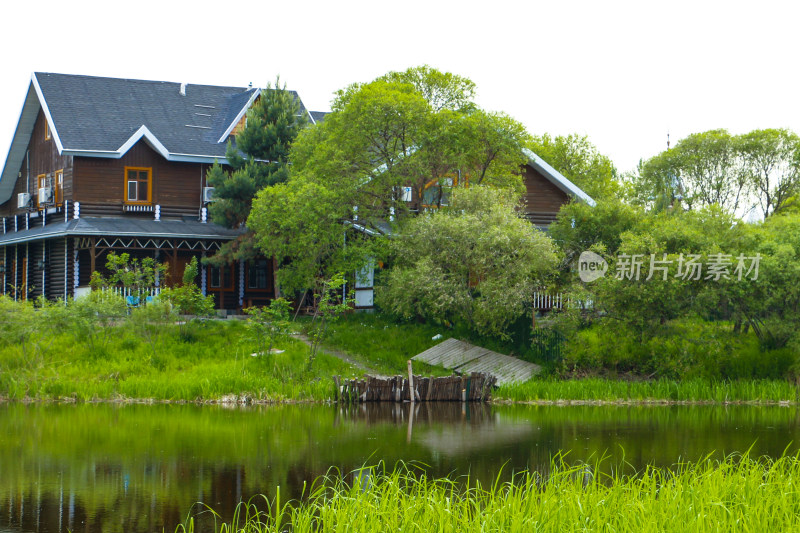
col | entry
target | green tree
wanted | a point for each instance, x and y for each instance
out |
(476, 263)
(416, 129)
(701, 170)
(259, 159)
(579, 161)
(771, 165)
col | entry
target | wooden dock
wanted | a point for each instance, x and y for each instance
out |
(474, 387)
(466, 358)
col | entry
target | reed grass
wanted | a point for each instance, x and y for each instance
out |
(690, 390)
(738, 493)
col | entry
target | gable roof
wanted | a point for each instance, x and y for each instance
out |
(104, 117)
(557, 178)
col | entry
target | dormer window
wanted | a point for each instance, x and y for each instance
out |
(138, 185)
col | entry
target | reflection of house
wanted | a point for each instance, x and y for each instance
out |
(102, 164)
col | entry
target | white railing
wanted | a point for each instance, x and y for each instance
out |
(124, 292)
(544, 301)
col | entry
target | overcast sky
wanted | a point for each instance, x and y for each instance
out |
(623, 73)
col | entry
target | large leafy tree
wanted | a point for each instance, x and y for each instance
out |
(701, 170)
(417, 129)
(258, 159)
(476, 262)
(579, 160)
(771, 166)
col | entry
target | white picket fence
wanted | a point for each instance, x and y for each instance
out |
(127, 291)
(543, 301)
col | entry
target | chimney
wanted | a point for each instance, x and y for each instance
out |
(183, 89)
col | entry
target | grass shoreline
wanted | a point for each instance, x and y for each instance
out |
(49, 355)
(737, 493)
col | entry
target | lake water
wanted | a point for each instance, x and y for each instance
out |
(140, 468)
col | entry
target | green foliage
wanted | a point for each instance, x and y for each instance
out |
(682, 349)
(579, 227)
(269, 324)
(328, 307)
(188, 299)
(476, 263)
(90, 319)
(578, 159)
(771, 167)
(258, 160)
(137, 275)
(700, 171)
(416, 129)
(757, 169)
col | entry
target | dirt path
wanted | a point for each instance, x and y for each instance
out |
(347, 358)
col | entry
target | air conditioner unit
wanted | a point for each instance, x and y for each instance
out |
(208, 194)
(45, 194)
(23, 199)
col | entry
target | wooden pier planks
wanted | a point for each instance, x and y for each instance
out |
(474, 387)
(465, 358)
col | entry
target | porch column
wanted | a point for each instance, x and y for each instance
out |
(203, 280)
(241, 283)
(93, 255)
(76, 269)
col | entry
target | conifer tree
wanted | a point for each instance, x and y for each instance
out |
(258, 159)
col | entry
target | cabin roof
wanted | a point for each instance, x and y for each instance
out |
(104, 117)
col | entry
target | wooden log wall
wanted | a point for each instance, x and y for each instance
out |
(475, 387)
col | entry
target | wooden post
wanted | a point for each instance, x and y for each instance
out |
(92, 255)
(410, 382)
(336, 393)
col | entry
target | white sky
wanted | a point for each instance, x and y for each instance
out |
(623, 73)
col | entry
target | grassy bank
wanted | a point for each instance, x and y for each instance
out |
(736, 494)
(83, 354)
(56, 353)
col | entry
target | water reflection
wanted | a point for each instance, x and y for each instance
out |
(140, 468)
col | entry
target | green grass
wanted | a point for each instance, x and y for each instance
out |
(383, 343)
(205, 361)
(735, 494)
(690, 390)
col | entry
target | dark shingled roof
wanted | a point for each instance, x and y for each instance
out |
(103, 117)
(101, 114)
(318, 116)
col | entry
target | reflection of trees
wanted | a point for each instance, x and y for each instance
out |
(138, 468)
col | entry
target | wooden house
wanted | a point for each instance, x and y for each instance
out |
(102, 164)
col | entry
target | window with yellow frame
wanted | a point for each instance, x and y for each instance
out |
(46, 130)
(58, 188)
(138, 185)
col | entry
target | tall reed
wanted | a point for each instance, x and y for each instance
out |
(738, 493)
(690, 390)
